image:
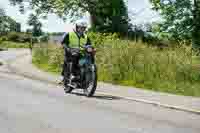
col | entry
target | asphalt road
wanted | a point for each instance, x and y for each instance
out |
(12, 54)
(28, 106)
(9, 55)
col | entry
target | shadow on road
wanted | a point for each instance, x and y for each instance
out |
(101, 97)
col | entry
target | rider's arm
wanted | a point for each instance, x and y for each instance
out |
(65, 39)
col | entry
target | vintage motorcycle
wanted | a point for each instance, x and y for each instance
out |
(85, 77)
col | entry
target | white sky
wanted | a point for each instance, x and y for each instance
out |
(54, 24)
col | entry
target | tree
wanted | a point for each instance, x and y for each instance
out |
(2, 21)
(36, 25)
(196, 33)
(2, 12)
(36, 30)
(110, 15)
(181, 18)
(7, 24)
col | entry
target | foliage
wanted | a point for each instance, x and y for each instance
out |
(56, 33)
(45, 57)
(181, 18)
(109, 16)
(100, 38)
(196, 22)
(7, 24)
(36, 25)
(2, 19)
(13, 36)
(134, 64)
(18, 37)
(177, 15)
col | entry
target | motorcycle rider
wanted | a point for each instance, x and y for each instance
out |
(74, 39)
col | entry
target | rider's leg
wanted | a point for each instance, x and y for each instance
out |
(63, 73)
(76, 68)
(64, 68)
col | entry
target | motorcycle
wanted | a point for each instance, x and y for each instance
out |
(85, 77)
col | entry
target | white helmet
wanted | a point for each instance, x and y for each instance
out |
(81, 23)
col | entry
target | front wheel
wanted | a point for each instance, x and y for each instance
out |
(67, 88)
(91, 81)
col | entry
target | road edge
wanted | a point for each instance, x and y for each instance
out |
(25, 75)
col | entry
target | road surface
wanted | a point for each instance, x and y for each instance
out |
(30, 106)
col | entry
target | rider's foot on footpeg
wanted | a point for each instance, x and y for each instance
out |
(61, 82)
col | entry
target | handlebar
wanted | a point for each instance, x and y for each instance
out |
(77, 50)
(85, 47)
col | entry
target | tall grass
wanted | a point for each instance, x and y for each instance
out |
(134, 64)
(48, 57)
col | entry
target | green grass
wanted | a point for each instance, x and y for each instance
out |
(196, 63)
(134, 64)
(46, 67)
(45, 59)
(9, 44)
(196, 60)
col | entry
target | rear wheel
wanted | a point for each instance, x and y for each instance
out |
(91, 81)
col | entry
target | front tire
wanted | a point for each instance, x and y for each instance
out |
(67, 88)
(92, 84)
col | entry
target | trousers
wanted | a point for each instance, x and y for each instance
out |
(66, 67)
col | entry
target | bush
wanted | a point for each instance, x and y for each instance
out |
(19, 37)
(13, 36)
(4, 38)
(99, 38)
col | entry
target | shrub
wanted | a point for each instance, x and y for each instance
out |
(19, 37)
(4, 38)
(13, 36)
(99, 38)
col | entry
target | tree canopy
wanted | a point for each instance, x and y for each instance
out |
(36, 25)
(109, 16)
(8, 24)
(181, 18)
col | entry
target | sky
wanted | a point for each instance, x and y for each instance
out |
(54, 24)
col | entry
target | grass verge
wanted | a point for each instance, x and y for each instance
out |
(134, 64)
(9, 44)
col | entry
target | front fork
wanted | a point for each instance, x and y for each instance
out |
(70, 76)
